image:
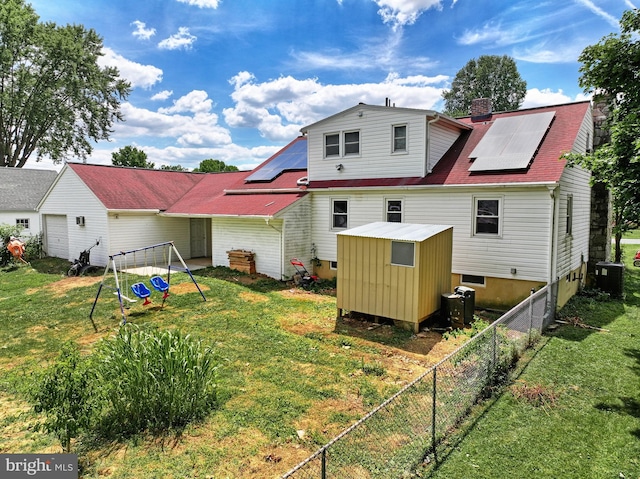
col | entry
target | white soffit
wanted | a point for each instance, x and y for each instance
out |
(510, 142)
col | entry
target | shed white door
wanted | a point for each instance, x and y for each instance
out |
(57, 236)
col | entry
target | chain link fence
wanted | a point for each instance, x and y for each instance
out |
(405, 430)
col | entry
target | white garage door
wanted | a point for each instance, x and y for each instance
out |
(57, 236)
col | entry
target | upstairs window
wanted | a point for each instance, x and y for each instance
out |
(487, 216)
(339, 214)
(399, 138)
(394, 211)
(332, 145)
(352, 143)
(569, 218)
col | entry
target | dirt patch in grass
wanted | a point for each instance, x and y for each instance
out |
(59, 288)
(184, 288)
(295, 293)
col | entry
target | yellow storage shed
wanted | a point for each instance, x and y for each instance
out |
(394, 270)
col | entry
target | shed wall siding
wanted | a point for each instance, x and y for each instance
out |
(10, 217)
(72, 198)
(523, 210)
(249, 234)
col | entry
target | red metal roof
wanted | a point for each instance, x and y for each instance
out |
(453, 168)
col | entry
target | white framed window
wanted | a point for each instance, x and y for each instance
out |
(399, 139)
(332, 145)
(339, 214)
(394, 210)
(403, 253)
(487, 216)
(569, 217)
(351, 143)
(22, 223)
(333, 265)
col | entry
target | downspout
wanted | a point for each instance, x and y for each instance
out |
(553, 246)
(428, 142)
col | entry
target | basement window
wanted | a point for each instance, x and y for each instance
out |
(402, 253)
(472, 279)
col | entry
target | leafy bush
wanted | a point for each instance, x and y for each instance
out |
(154, 380)
(6, 232)
(63, 393)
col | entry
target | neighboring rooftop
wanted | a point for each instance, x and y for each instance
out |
(21, 189)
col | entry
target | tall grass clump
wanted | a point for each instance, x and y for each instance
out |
(154, 380)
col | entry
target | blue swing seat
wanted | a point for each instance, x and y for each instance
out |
(159, 283)
(141, 291)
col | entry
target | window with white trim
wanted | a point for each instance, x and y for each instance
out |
(351, 143)
(332, 145)
(22, 223)
(569, 217)
(403, 253)
(394, 211)
(339, 214)
(400, 138)
(487, 216)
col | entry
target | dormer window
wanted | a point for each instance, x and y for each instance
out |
(400, 138)
(332, 145)
(352, 143)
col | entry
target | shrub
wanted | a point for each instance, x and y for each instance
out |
(154, 380)
(63, 393)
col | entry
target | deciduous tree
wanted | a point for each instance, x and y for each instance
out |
(490, 76)
(131, 156)
(54, 97)
(213, 166)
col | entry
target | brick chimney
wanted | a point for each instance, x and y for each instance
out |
(480, 109)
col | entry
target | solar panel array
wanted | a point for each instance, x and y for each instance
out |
(294, 157)
(511, 142)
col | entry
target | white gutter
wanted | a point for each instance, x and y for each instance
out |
(428, 142)
(547, 184)
(122, 212)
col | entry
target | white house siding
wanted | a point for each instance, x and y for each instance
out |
(70, 197)
(524, 243)
(129, 231)
(376, 158)
(297, 235)
(441, 137)
(10, 217)
(253, 234)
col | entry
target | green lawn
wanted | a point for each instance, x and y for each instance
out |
(292, 377)
(633, 234)
(572, 412)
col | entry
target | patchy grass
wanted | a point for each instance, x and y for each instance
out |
(291, 376)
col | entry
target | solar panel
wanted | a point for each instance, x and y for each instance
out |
(511, 142)
(293, 157)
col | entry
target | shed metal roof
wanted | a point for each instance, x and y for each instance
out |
(396, 231)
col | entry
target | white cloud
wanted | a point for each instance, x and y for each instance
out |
(142, 31)
(613, 21)
(162, 95)
(279, 108)
(201, 128)
(143, 76)
(399, 13)
(202, 3)
(550, 53)
(182, 39)
(547, 96)
(196, 101)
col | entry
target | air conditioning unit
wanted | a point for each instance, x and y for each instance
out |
(80, 220)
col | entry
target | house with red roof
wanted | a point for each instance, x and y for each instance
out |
(520, 216)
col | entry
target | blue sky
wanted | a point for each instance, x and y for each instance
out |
(235, 80)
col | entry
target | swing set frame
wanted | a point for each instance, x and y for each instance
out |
(122, 255)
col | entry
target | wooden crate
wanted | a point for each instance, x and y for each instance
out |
(242, 260)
